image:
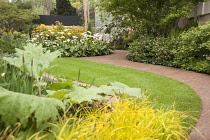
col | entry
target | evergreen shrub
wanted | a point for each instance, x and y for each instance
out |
(189, 51)
(153, 50)
(193, 52)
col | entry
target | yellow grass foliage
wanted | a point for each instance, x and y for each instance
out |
(125, 120)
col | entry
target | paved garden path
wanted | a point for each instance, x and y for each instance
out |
(199, 82)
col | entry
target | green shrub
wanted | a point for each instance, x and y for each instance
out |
(153, 50)
(11, 40)
(193, 52)
(189, 51)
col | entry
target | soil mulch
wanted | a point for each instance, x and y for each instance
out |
(199, 82)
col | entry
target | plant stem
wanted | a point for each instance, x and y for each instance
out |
(39, 87)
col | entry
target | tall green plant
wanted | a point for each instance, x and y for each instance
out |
(14, 80)
(33, 61)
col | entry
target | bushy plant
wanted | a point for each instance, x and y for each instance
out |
(89, 45)
(71, 41)
(189, 51)
(153, 50)
(125, 119)
(193, 52)
(117, 32)
(15, 15)
(11, 40)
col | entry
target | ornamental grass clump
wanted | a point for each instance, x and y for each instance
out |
(125, 119)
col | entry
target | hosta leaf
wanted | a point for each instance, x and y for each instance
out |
(16, 107)
(80, 94)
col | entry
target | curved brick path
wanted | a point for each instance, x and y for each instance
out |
(199, 82)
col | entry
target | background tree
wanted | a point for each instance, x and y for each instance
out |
(47, 7)
(156, 18)
(15, 16)
(64, 7)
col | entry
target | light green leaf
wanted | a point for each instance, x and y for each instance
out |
(80, 94)
(120, 89)
(32, 59)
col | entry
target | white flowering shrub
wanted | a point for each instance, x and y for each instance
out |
(88, 44)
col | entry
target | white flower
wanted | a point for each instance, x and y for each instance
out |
(33, 39)
(62, 37)
(75, 37)
(57, 38)
(69, 33)
(2, 74)
(68, 40)
(52, 32)
(61, 32)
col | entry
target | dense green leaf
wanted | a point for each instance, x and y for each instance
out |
(16, 107)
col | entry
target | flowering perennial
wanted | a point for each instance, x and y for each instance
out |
(71, 41)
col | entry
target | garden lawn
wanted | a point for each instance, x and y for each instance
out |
(163, 91)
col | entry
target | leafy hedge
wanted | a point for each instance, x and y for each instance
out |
(190, 51)
(153, 51)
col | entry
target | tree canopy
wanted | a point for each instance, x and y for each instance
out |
(14, 16)
(64, 7)
(157, 17)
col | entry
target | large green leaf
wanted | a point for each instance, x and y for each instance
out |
(81, 94)
(120, 89)
(32, 59)
(16, 107)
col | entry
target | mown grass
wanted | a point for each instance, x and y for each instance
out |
(164, 92)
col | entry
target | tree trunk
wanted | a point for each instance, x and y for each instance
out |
(86, 14)
(47, 7)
